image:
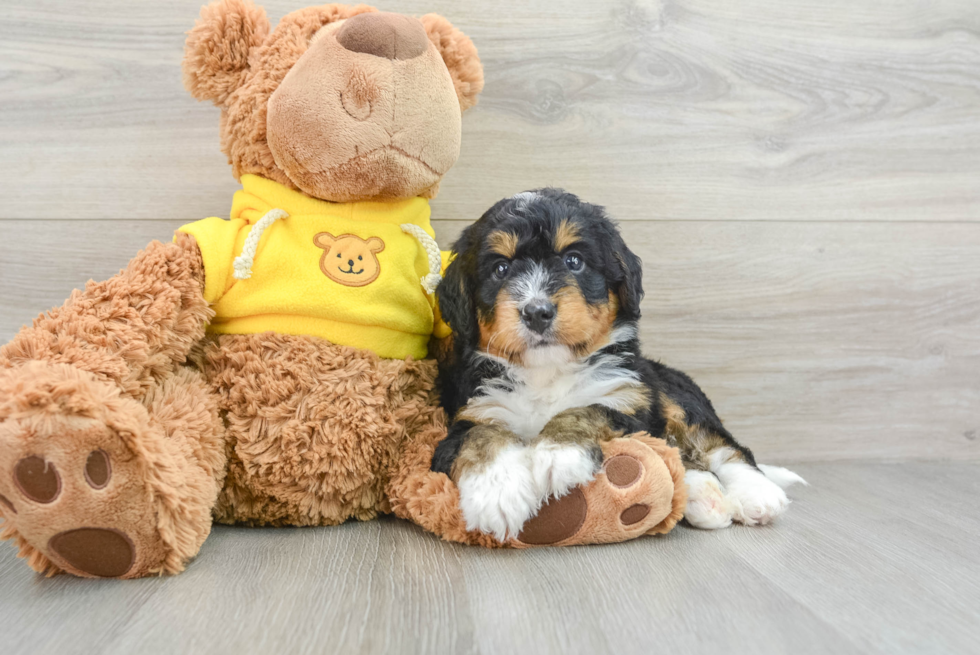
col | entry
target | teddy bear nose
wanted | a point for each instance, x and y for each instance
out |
(383, 34)
(350, 262)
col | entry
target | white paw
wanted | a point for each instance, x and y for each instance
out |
(499, 498)
(707, 506)
(758, 498)
(560, 468)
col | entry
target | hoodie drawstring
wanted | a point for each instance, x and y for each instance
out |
(243, 263)
(432, 280)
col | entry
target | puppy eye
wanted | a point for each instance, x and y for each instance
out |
(574, 262)
(500, 270)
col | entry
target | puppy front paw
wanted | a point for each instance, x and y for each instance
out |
(559, 468)
(500, 496)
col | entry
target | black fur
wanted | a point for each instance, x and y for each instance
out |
(470, 289)
(449, 447)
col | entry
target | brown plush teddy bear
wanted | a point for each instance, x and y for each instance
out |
(269, 369)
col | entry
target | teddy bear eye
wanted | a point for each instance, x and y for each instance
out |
(338, 255)
(359, 258)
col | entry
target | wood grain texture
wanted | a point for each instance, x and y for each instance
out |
(865, 561)
(801, 180)
(820, 341)
(816, 341)
(676, 109)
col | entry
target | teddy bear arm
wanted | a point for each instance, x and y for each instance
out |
(131, 330)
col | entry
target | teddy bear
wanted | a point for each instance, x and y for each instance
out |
(274, 367)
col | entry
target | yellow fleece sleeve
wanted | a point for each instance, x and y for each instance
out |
(441, 329)
(216, 237)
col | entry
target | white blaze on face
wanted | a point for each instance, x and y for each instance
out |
(530, 287)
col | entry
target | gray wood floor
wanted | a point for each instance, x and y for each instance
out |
(871, 558)
(802, 180)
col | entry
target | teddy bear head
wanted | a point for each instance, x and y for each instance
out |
(343, 103)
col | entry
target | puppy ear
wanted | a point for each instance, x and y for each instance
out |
(460, 55)
(217, 48)
(630, 290)
(455, 295)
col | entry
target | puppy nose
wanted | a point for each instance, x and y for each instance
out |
(538, 316)
(382, 34)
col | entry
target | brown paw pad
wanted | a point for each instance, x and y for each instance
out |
(623, 471)
(37, 479)
(634, 514)
(557, 520)
(98, 470)
(95, 551)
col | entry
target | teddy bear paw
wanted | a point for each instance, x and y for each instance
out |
(632, 494)
(69, 486)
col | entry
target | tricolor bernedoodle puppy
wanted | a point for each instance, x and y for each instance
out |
(544, 298)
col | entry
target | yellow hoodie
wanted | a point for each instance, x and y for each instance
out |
(354, 274)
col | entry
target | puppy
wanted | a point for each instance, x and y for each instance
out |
(543, 297)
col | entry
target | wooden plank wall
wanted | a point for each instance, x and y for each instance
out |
(801, 178)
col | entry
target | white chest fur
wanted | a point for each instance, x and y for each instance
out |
(527, 397)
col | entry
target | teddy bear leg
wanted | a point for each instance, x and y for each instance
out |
(313, 428)
(109, 448)
(639, 490)
(131, 330)
(97, 484)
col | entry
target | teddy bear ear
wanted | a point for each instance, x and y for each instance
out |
(217, 48)
(460, 55)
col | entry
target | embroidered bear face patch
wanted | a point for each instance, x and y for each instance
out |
(349, 259)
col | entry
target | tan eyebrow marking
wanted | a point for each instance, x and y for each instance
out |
(565, 235)
(503, 243)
